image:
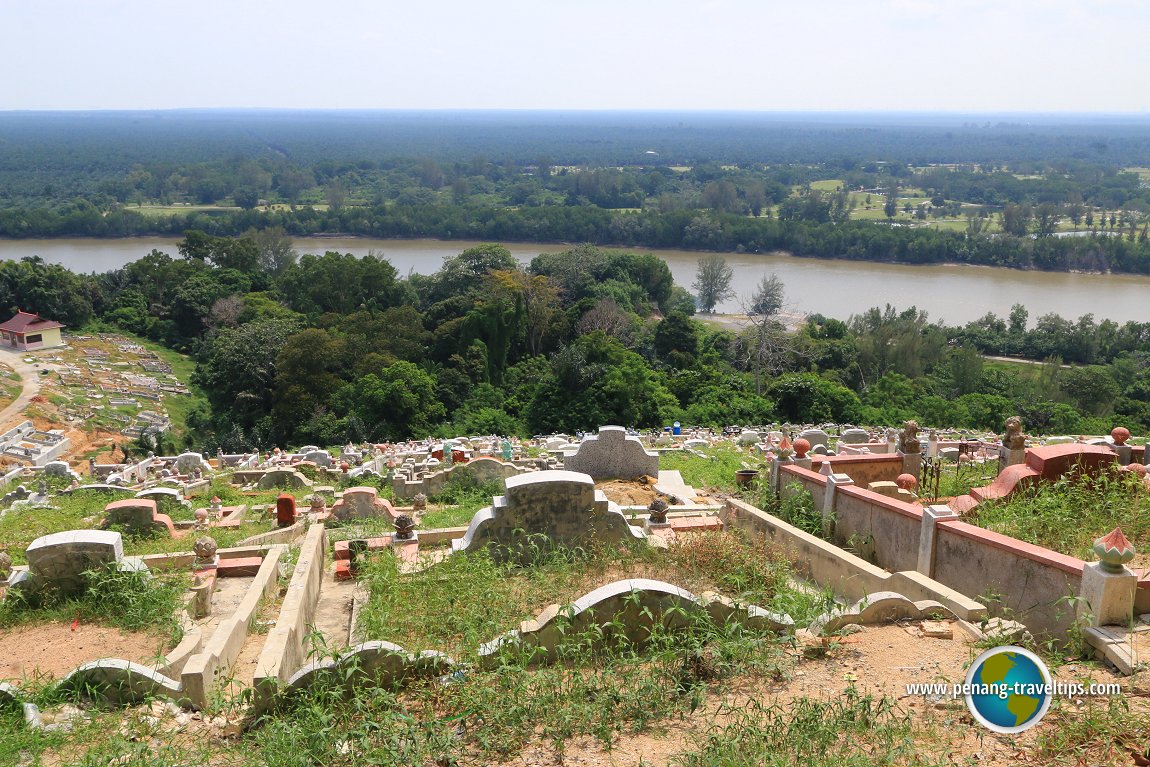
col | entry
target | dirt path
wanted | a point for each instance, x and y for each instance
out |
(1019, 360)
(30, 375)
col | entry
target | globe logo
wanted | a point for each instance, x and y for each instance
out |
(1008, 689)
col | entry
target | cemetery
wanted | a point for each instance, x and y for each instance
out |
(97, 393)
(606, 581)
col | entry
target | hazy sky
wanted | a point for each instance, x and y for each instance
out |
(959, 55)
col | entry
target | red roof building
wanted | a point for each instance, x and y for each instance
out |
(27, 331)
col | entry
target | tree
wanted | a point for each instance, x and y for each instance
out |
(397, 403)
(336, 194)
(768, 296)
(712, 282)
(721, 197)
(890, 207)
(766, 343)
(237, 369)
(1015, 219)
(677, 340)
(806, 398)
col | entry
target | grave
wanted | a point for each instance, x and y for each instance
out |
(137, 516)
(318, 457)
(186, 463)
(749, 437)
(562, 506)
(168, 500)
(815, 437)
(57, 562)
(362, 503)
(282, 478)
(611, 455)
(481, 471)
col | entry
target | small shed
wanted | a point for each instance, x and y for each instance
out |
(27, 331)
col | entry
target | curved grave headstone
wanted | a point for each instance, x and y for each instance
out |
(611, 454)
(543, 509)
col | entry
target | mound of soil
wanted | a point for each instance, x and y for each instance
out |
(627, 493)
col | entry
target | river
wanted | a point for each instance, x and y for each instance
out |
(953, 293)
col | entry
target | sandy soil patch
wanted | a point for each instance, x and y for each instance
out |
(54, 649)
(627, 493)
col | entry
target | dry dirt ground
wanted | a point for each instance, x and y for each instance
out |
(877, 661)
(54, 649)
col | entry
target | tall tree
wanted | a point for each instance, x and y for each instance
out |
(768, 296)
(712, 282)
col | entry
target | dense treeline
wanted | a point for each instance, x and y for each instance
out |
(326, 348)
(847, 186)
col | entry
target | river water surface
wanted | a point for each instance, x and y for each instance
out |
(953, 293)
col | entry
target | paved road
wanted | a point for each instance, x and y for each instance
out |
(14, 413)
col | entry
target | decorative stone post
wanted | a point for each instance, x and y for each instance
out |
(205, 549)
(1013, 450)
(1120, 434)
(285, 510)
(931, 516)
(404, 529)
(1106, 597)
(910, 448)
(932, 445)
(830, 498)
(802, 447)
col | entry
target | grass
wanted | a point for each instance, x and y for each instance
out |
(716, 472)
(1069, 514)
(958, 479)
(19, 527)
(796, 507)
(854, 730)
(489, 716)
(469, 599)
(130, 600)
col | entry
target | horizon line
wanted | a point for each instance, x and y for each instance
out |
(584, 110)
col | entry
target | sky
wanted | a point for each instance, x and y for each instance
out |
(755, 55)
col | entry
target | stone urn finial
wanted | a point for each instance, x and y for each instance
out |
(419, 502)
(205, 549)
(785, 450)
(1120, 434)
(1114, 550)
(658, 509)
(404, 528)
(5, 565)
(907, 482)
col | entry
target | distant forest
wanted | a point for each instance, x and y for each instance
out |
(1065, 193)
